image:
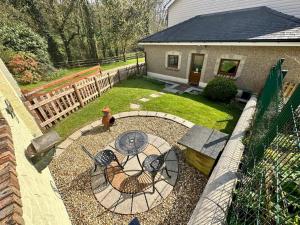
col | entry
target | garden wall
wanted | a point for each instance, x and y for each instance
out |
(217, 195)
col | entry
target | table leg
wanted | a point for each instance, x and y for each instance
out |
(125, 161)
(140, 162)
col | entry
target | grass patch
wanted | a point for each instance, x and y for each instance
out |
(65, 72)
(197, 109)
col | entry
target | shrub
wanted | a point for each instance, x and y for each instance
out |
(21, 38)
(220, 89)
(24, 68)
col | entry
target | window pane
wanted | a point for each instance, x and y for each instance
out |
(197, 63)
(228, 67)
(173, 61)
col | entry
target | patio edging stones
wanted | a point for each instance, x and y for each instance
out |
(77, 134)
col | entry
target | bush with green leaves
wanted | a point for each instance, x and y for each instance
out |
(220, 89)
(21, 38)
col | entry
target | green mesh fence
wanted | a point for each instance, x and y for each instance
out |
(268, 191)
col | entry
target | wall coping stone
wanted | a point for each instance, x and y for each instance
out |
(216, 198)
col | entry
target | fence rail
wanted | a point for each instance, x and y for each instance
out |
(268, 191)
(93, 62)
(53, 106)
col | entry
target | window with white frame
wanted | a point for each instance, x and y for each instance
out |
(228, 67)
(173, 60)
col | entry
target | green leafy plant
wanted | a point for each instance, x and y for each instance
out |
(220, 89)
(21, 38)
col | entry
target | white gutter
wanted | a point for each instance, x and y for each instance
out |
(169, 4)
(292, 44)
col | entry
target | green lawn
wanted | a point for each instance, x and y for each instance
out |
(194, 108)
(65, 72)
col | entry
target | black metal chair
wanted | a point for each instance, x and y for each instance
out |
(153, 164)
(102, 159)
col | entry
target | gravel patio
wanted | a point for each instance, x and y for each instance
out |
(72, 173)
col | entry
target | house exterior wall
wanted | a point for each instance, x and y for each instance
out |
(182, 10)
(41, 204)
(254, 67)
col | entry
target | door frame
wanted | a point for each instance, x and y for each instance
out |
(189, 61)
(192, 59)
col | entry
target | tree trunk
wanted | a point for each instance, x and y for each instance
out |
(66, 46)
(90, 32)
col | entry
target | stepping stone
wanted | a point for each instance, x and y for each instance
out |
(134, 106)
(154, 95)
(144, 99)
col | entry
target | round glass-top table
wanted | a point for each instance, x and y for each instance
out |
(131, 143)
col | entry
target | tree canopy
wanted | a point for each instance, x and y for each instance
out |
(66, 30)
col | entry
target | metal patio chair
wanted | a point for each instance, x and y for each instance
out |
(102, 159)
(154, 164)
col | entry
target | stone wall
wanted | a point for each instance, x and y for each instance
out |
(10, 196)
(216, 198)
(255, 63)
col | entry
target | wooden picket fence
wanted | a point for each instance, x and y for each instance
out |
(51, 107)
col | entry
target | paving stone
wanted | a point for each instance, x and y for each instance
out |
(98, 182)
(58, 151)
(124, 205)
(158, 142)
(96, 123)
(139, 203)
(144, 99)
(163, 188)
(152, 199)
(133, 113)
(154, 95)
(110, 200)
(178, 119)
(86, 128)
(169, 116)
(150, 113)
(65, 143)
(116, 116)
(151, 138)
(161, 114)
(75, 135)
(171, 90)
(134, 106)
(123, 114)
(143, 113)
(188, 124)
(164, 147)
(101, 195)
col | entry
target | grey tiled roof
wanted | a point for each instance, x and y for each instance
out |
(245, 25)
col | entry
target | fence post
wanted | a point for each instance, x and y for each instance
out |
(78, 95)
(108, 80)
(97, 85)
(119, 76)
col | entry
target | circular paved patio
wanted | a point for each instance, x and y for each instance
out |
(71, 169)
(128, 190)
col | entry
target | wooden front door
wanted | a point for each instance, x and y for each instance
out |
(196, 67)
